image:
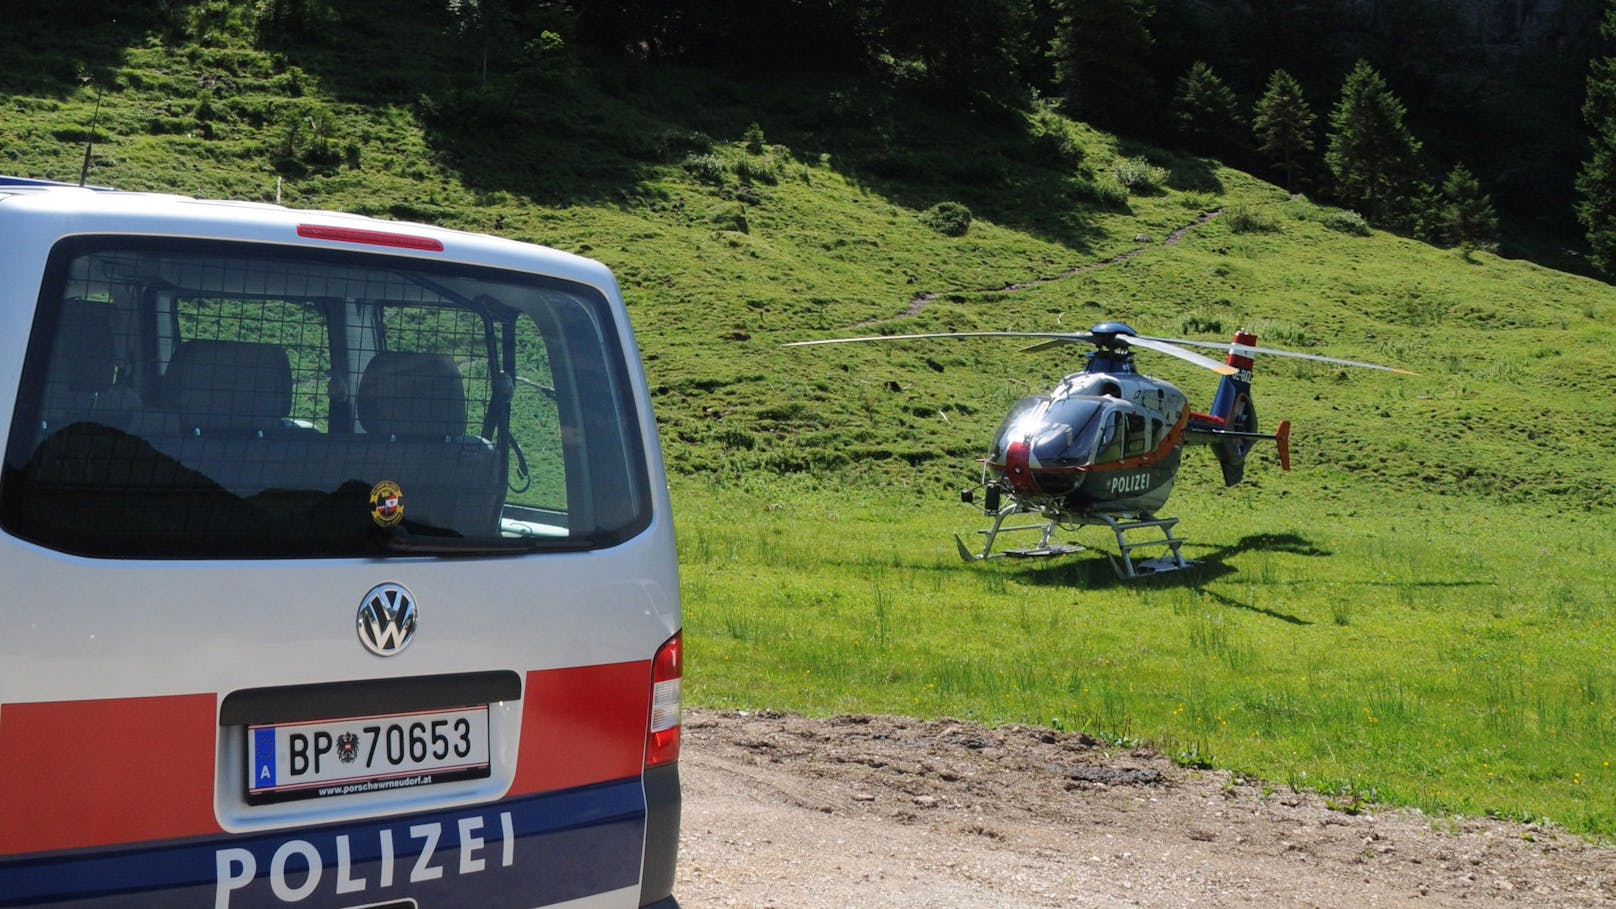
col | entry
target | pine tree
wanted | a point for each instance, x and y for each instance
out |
(1284, 125)
(1206, 113)
(1597, 181)
(485, 30)
(966, 45)
(1372, 155)
(1468, 220)
(1102, 51)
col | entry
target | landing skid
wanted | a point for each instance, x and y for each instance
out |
(1044, 549)
(1125, 566)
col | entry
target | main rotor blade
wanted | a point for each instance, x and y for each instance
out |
(1053, 343)
(1054, 337)
(1050, 339)
(1173, 350)
(1155, 344)
(1247, 350)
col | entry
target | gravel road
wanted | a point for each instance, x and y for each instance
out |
(858, 811)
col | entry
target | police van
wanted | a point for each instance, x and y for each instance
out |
(336, 566)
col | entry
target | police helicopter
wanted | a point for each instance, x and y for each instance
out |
(1102, 448)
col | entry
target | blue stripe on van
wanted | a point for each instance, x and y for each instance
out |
(512, 854)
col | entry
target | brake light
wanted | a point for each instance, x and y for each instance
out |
(667, 669)
(370, 237)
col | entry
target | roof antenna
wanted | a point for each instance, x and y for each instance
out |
(84, 172)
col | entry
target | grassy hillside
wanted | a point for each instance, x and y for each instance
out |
(1421, 611)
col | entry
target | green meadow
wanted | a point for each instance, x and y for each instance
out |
(1416, 652)
(1421, 613)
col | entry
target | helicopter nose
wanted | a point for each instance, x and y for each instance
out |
(1018, 467)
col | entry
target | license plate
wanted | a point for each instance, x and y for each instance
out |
(288, 761)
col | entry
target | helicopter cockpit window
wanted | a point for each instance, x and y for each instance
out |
(1069, 430)
(1019, 423)
(1137, 441)
(1111, 440)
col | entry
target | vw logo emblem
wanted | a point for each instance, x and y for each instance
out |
(386, 619)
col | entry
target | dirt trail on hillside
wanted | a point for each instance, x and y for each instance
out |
(875, 812)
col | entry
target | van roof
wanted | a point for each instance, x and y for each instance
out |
(159, 214)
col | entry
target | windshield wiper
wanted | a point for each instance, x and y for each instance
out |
(444, 546)
(403, 541)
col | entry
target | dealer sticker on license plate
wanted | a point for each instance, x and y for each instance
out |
(288, 761)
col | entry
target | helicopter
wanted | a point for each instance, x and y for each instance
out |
(1103, 447)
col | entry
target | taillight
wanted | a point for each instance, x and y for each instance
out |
(662, 743)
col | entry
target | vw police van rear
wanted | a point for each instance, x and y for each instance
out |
(338, 569)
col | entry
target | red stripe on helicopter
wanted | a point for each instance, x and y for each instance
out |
(1017, 467)
(1019, 473)
(1238, 361)
(1169, 444)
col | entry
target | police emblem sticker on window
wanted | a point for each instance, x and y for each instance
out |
(386, 503)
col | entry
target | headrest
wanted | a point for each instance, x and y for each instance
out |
(412, 395)
(233, 386)
(85, 354)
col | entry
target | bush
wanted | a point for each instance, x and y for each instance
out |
(1052, 141)
(951, 219)
(466, 112)
(1198, 324)
(1347, 222)
(762, 169)
(753, 137)
(1139, 176)
(708, 167)
(307, 137)
(1198, 201)
(1336, 219)
(1104, 192)
(1243, 219)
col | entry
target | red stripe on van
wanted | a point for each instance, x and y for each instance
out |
(93, 773)
(78, 774)
(581, 726)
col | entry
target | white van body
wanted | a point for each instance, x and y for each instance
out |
(336, 566)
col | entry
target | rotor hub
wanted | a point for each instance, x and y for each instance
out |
(1106, 335)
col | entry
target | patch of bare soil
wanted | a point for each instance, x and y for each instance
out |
(861, 811)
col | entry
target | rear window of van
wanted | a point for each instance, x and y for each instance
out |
(204, 399)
